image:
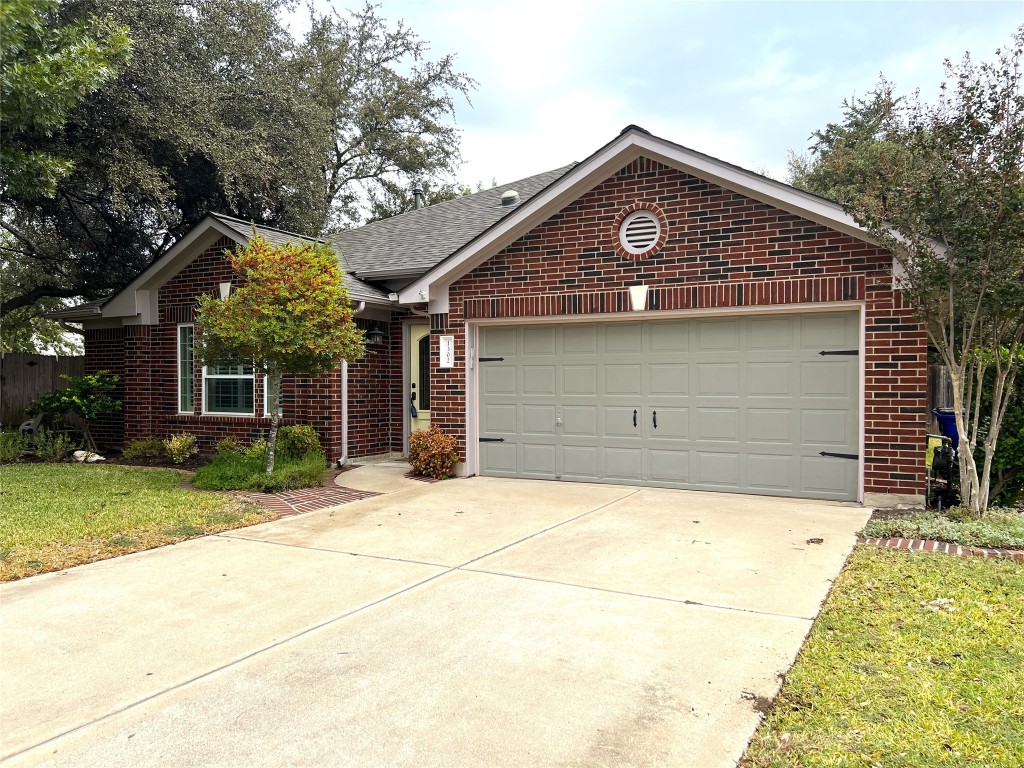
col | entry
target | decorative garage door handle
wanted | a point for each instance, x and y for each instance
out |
(654, 415)
(634, 417)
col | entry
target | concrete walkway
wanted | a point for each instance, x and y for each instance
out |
(469, 622)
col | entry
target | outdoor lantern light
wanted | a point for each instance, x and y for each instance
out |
(638, 297)
(375, 336)
(225, 290)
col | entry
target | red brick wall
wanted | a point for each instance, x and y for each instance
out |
(104, 351)
(375, 393)
(146, 357)
(722, 250)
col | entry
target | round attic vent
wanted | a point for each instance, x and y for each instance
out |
(509, 197)
(639, 231)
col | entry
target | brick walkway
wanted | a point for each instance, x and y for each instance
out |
(925, 545)
(288, 503)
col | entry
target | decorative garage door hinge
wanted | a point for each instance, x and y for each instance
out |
(831, 455)
(491, 359)
(492, 439)
(839, 352)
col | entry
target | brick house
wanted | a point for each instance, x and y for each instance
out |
(649, 316)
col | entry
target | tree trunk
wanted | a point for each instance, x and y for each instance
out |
(273, 398)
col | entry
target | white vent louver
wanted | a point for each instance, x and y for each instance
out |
(639, 231)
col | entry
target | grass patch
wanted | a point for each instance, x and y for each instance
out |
(60, 515)
(998, 528)
(231, 471)
(917, 659)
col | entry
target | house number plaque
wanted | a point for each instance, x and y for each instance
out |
(447, 357)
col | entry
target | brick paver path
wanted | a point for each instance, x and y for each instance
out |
(926, 545)
(288, 503)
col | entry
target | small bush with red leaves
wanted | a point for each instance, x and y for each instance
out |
(432, 453)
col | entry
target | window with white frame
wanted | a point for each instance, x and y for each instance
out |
(266, 399)
(186, 363)
(229, 389)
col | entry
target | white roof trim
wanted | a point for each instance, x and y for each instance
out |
(632, 144)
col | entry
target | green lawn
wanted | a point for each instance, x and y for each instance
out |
(58, 515)
(916, 660)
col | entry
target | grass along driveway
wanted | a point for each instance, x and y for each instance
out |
(59, 515)
(917, 659)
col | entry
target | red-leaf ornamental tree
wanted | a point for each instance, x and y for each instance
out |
(289, 314)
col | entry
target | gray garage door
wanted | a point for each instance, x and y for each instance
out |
(745, 404)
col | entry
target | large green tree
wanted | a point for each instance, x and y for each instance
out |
(290, 314)
(942, 186)
(220, 109)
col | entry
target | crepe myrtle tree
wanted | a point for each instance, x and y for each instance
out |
(289, 314)
(942, 187)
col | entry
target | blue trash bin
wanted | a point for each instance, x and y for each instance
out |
(947, 426)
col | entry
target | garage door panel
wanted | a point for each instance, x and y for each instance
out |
(580, 462)
(618, 422)
(579, 380)
(624, 379)
(668, 466)
(499, 380)
(771, 471)
(718, 468)
(770, 425)
(501, 418)
(539, 340)
(623, 463)
(743, 403)
(718, 424)
(579, 339)
(824, 428)
(580, 420)
(718, 379)
(668, 337)
(538, 458)
(770, 379)
(826, 379)
(538, 419)
(623, 337)
(668, 379)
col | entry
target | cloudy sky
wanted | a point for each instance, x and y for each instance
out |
(743, 81)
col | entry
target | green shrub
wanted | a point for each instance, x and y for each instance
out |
(257, 450)
(246, 472)
(230, 445)
(296, 441)
(181, 447)
(146, 448)
(12, 445)
(52, 445)
(432, 453)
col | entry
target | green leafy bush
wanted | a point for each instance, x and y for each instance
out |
(146, 448)
(247, 472)
(296, 441)
(181, 447)
(257, 449)
(12, 445)
(51, 445)
(88, 397)
(432, 453)
(230, 445)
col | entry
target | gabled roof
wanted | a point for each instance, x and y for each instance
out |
(413, 242)
(357, 289)
(632, 143)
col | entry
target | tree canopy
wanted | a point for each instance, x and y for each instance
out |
(220, 109)
(942, 186)
(289, 314)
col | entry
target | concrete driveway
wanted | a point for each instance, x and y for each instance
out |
(467, 623)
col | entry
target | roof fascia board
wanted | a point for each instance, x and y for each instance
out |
(139, 297)
(592, 172)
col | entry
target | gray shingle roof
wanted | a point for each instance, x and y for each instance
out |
(357, 289)
(413, 242)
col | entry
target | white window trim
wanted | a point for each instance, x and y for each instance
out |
(242, 414)
(192, 368)
(266, 399)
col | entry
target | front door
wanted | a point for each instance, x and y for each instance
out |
(418, 394)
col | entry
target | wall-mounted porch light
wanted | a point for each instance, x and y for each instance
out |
(638, 297)
(225, 290)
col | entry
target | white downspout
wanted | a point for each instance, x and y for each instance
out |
(344, 400)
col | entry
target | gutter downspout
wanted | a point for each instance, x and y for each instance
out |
(344, 400)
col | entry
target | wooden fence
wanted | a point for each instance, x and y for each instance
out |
(940, 394)
(25, 377)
